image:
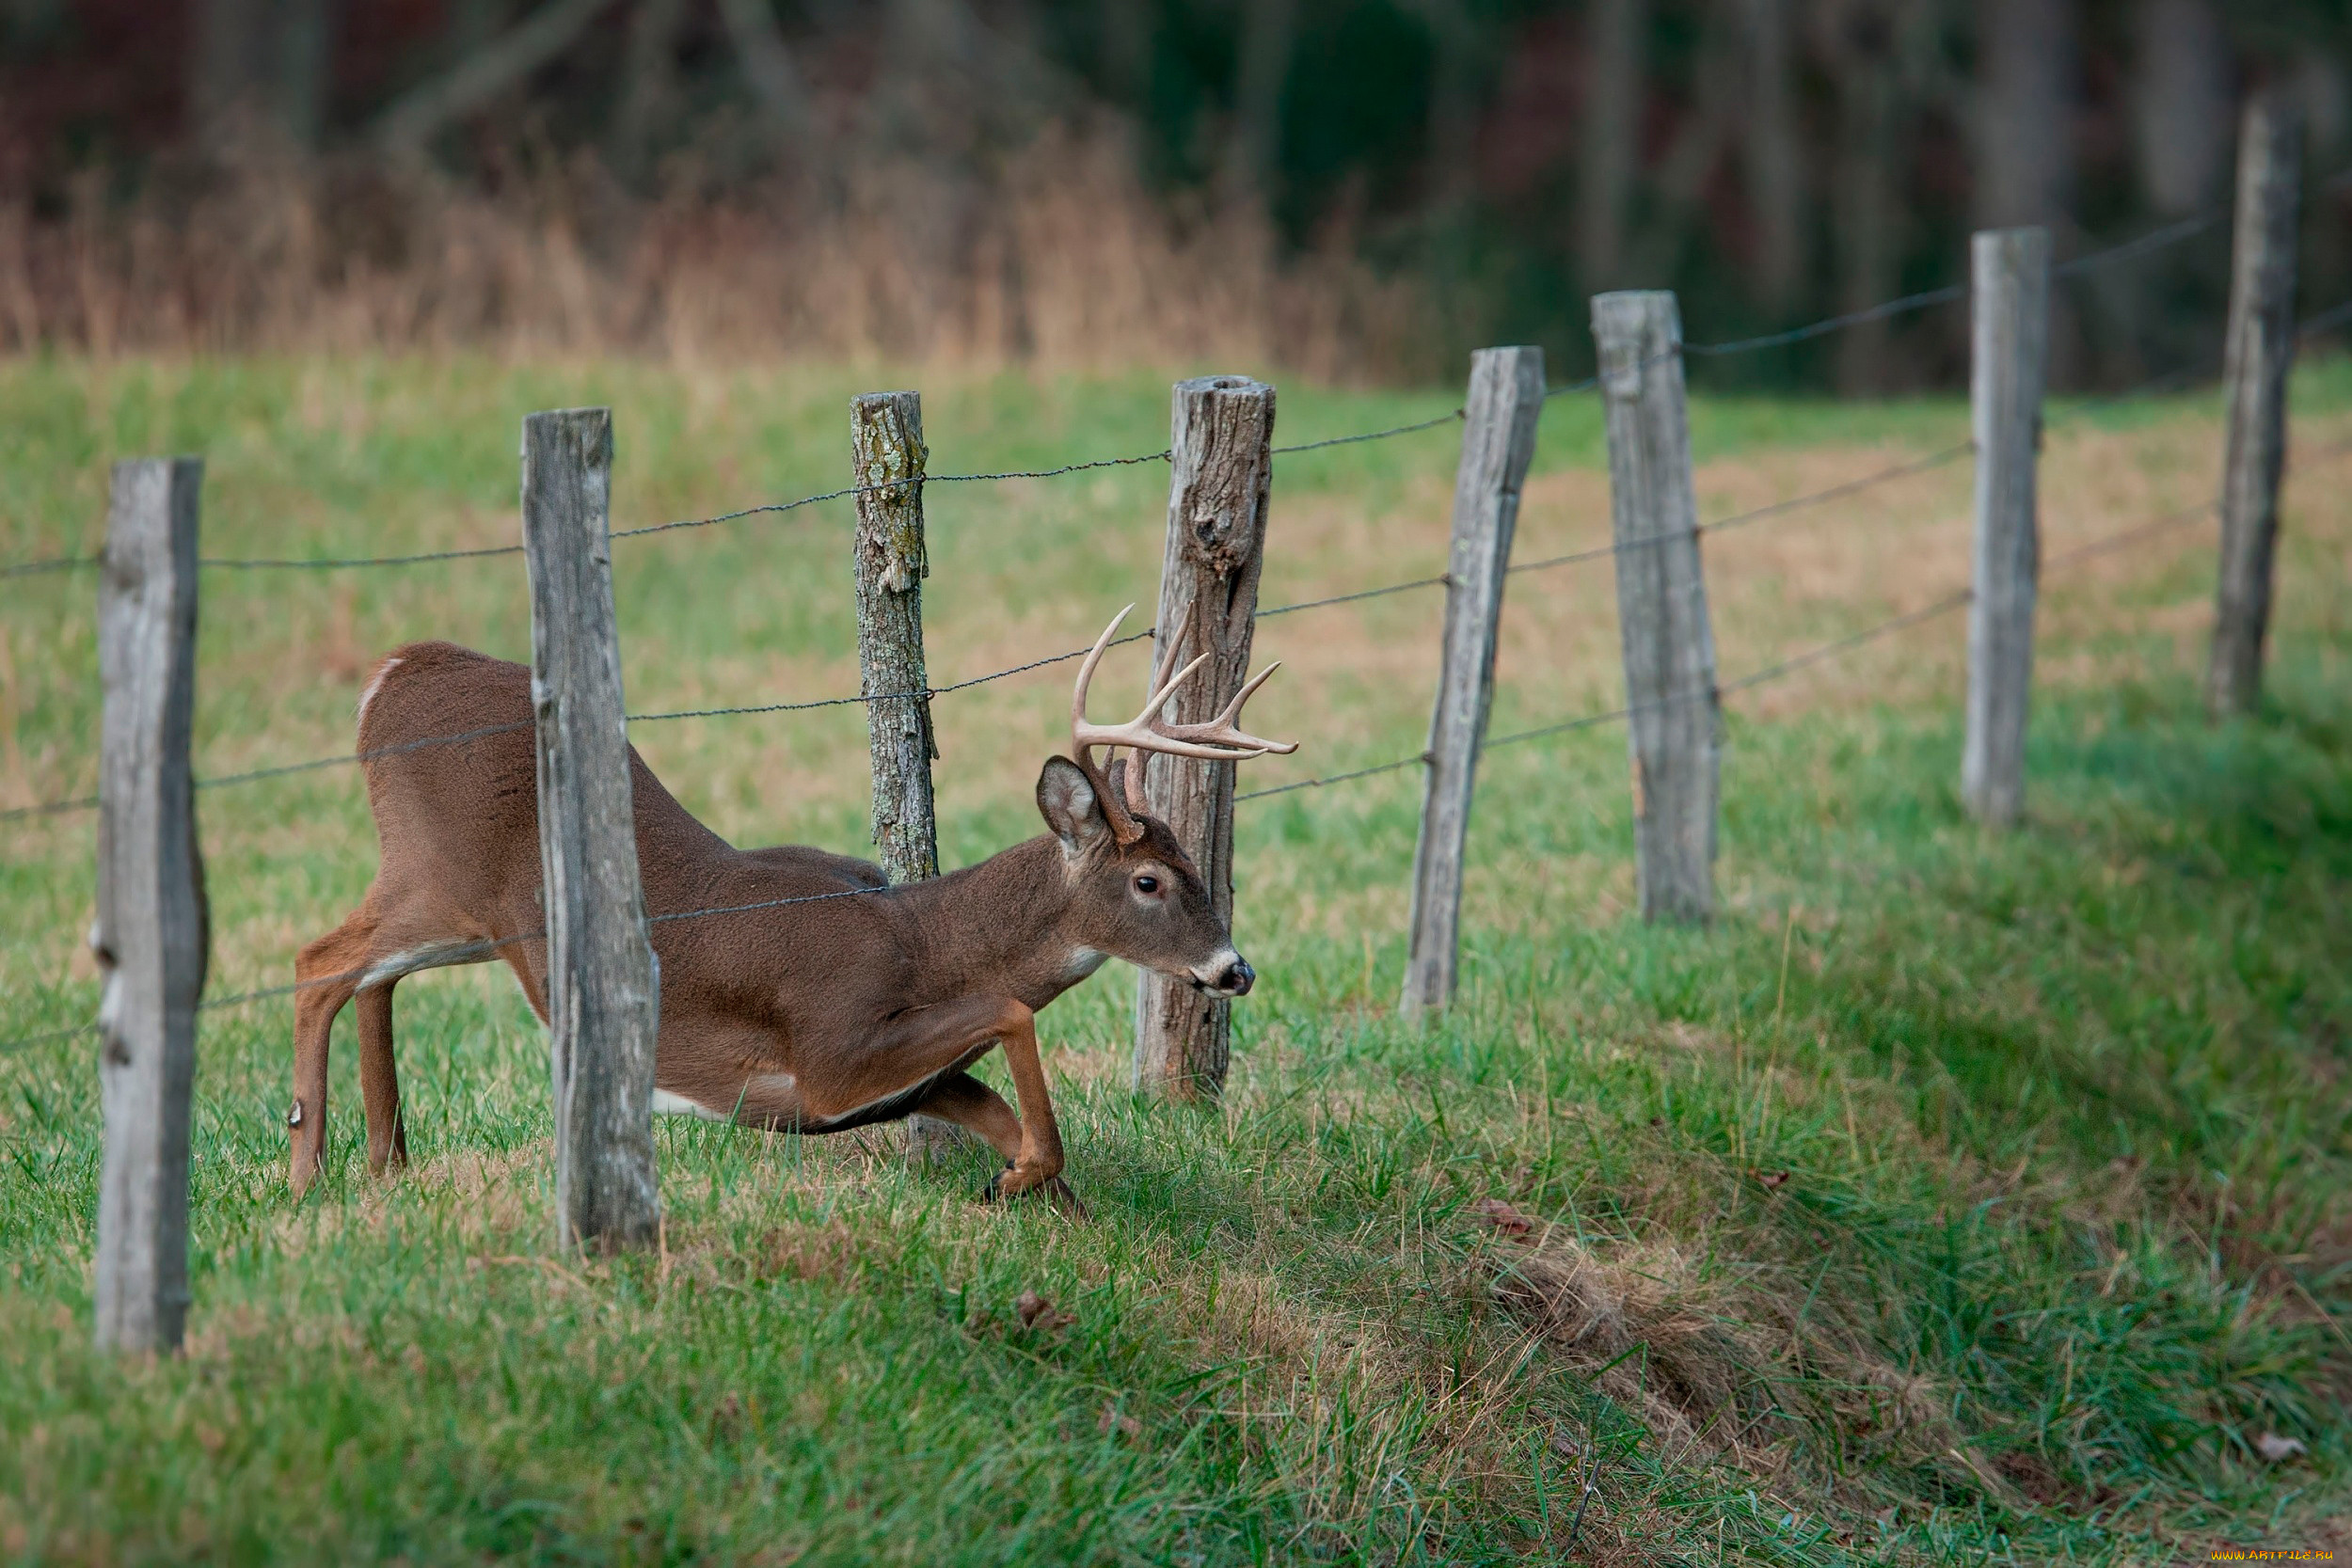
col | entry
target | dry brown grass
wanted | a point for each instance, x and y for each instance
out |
(1064, 262)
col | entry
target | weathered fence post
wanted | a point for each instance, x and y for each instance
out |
(890, 561)
(1675, 730)
(603, 983)
(1220, 446)
(2261, 352)
(2010, 284)
(151, 937)
(1506, 397)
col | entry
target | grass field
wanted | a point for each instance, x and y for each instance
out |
(1956, 1199)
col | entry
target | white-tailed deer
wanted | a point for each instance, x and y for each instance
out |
(817, 1016)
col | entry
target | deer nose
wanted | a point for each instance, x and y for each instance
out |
(1238, 978)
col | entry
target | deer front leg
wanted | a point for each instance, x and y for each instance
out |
(1039, 1161)
(971, 1104)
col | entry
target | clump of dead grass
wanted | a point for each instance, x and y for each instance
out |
(1064, 262)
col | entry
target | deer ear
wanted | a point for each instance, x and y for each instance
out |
(1066, 799)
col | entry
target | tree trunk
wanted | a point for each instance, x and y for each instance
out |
(2028, 75)
(1611, 145)
(1773, 160)
(1866, 207)
(1268, 39)
(2181, 108)
(301, 74)
(424, 110)
(649, 93)
(225, 67)
(262, 63)
(767, 64)
(2024, 138)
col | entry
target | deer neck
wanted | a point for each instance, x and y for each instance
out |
(999, 927)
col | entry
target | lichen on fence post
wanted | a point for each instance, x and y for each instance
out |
(891, 559)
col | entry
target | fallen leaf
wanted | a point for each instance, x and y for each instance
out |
(1772, 1178)
(1038, 1312)
(2277, 1448)
(1126, 1426)
(1503, 1216)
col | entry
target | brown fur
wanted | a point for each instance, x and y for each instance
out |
(818, 1017)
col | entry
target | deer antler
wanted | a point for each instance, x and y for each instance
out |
(1218, 740)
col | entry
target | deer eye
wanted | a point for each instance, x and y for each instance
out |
(1147, 883)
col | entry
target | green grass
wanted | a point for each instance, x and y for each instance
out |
(1955, 1198)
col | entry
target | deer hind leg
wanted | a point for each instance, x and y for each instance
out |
(379, 1080)
(328, 972)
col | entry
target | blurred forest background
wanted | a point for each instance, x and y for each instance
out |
(1353, 189)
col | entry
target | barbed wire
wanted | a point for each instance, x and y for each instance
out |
(1456, 416)
(888, 696)
(1828, 325)
(471, 953)
(344, 562)
(1776, 670)
(2156, 240)
(1738, 519)
(1443, 579)
(1838, 491)
(54, 563)
(2326, 321)
(1757, 677)
(1418, 758)
(50, 808)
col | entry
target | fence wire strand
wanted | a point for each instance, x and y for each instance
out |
(1757, 677)
(1432, 423)
(472, 952)
(2152, 386)
(2158, 239)
(1774, 670)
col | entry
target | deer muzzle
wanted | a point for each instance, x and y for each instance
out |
(1227, 975)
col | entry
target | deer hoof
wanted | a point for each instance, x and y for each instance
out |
(1053, 1188)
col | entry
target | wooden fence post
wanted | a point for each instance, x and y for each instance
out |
(1220, 446)
(151, 937)
(1506, 397)
(1675, 731)
(2010, 283)
(890, 560)
(603, 983)
(2261, 352)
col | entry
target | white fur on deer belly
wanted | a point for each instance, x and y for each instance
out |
(668, 1104)
(1083, 962)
